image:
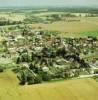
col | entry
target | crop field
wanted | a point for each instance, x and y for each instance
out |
(77, 89)
(84, 25)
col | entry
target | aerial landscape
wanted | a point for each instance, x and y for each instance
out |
(48, 50)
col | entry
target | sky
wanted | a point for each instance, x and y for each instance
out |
(11, 3)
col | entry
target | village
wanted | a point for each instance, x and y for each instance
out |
(44, 56)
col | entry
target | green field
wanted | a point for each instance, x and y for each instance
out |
(77, 89)
(81, 34)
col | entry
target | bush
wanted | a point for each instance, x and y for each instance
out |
(1, 69)
(37, 79)
(22, 77)
(46, 76)
(30, 79)
(76, 74)
(59, 75)
(16, 70)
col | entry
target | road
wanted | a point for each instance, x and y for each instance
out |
(87, 76)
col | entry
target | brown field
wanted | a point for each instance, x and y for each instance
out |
(76, 89)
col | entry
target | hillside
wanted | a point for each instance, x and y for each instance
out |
(77, 89)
